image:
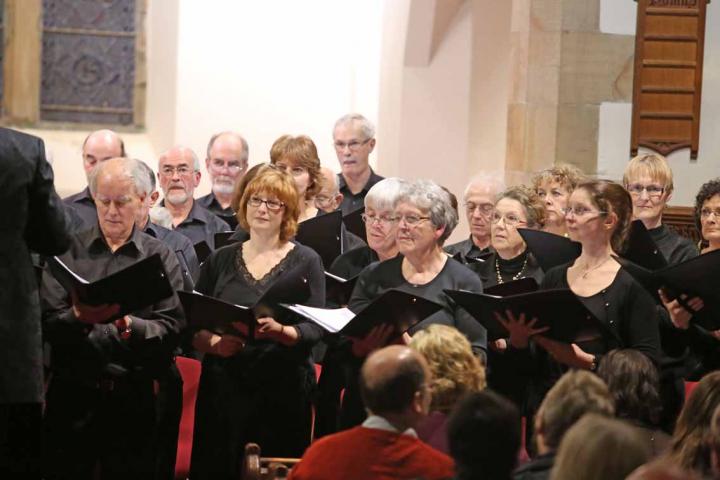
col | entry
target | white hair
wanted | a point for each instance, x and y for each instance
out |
(431, 197)
(366, 127)
(132, 169)
(383, 194)
(492, 181)
(161, 216)
(183, 151)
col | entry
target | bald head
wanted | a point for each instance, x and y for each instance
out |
(99, 146)
(392, 378)
(329, 197)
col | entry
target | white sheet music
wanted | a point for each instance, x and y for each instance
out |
(331, 319)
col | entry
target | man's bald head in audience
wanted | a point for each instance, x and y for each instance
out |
(99, 146)
(394, 381)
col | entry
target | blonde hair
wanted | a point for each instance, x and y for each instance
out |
(456, 370)
(654, 166)
(273, 183)
(567, 175)
(600, 448)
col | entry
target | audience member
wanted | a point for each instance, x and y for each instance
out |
(226, 161)
(575, 394)
(354, 139)
(33, 220)
(456, 371)
(179, 175)
(100, 407)
(691, 446)
(554, 186)
(394, 383)
(599, 448)
(478, 202)
(634, 383)
(99, 146)
(484, 437)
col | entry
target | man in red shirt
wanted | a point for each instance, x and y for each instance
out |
(394, 386)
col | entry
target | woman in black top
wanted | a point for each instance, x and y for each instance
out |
(516, 207)
(425, 218)
(598, 216)
(256, 392)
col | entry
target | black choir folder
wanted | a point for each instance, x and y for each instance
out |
(221, 317)
(322, 234)
(697, 277)
(559, 309)
(338, 290)
(354, 223)
(549, 249)
(135, 287)
(641, 248)
(202, 250)
(394, 307)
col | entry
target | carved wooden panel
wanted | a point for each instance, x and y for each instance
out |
(88, 61)
(682, 220)
(669, 46)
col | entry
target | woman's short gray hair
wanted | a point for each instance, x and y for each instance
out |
(431, 197)
(383, 194)
(132, 169)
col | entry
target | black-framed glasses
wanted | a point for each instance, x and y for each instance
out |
(653, 191)
(353, 145)
(272, 205)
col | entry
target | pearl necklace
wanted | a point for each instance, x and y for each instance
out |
(517, 276)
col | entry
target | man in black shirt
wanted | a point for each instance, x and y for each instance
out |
(100, 407)
(179, 175)
(180, 244)
(32, 219)
(99, 146)
(354, 138)
(479, 201)
(226, 163)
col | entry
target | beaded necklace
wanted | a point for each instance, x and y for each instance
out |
(517, 276)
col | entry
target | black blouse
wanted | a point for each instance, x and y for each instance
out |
(224, 275)
(382, 276)
(522, 266)
(673, 246)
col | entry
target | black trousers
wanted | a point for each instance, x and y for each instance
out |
(20, 440)
(107, 429)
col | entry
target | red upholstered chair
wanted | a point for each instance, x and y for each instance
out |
(190, 372)
(689, 387)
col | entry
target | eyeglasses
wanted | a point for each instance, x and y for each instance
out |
(581, 211)
(353, 145)
(484, 208)
(410, 220)
(511, 219)
(294, 171)
(233, 167)
(323, 200)
(706, 212)
(653, 191)
(383, 220)
(272, 205)
(182, 170)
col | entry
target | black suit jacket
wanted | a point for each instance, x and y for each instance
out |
(32, 218)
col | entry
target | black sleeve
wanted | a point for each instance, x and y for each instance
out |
(466, 323)
(365, 290)
(310, 332)
(640, 330)
(46, 229)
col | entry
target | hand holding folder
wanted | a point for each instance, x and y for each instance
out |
(140, 285)
(396, 308)
(560, 310)
(221, 317)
